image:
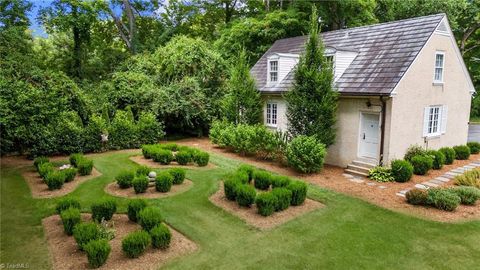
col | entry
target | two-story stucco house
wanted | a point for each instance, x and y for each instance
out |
(400, 83)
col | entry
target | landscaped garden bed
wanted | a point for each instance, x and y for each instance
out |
(150, 193)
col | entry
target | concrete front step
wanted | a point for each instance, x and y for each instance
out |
(358, 168)
(363, 164)
(355, 172)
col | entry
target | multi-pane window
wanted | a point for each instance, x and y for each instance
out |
(330, 61)
(271, 114)
(433, 120)
(273, 71)
(439, 62)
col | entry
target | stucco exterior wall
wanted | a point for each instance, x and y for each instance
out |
(417, 91)
(282, 122)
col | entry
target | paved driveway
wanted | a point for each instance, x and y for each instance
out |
(474, 133)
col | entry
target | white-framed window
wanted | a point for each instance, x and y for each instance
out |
(271, 114)
(439, 64)
(331, 61)
(273, 71)
(435, 120)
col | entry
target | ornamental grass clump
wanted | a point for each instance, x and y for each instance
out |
(469, 178)
(70, 217)
(161, 236)
(135, 243)
(104, 209)
(97, 252)
(266, 203)
(245, 195)
(134, 207)
(299, 192)
(124, 179)
(178, 175)
(262, 179)
(149, 217)
(163, 182)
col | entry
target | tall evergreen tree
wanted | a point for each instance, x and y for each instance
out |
(312, 102)
(242, 104)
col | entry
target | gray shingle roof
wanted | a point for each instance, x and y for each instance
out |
(385, 51)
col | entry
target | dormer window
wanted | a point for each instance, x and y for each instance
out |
(273, 71)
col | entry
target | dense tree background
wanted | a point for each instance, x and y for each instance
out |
(170, 60)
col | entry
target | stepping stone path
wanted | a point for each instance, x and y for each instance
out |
(360, 180)
(445, 178)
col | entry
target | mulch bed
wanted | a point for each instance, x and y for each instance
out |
(151, 193)
(40, 190)
(251, 216)
(65, 254)
(331, 177)
(152, 164)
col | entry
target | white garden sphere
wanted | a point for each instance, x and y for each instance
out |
(152, 174)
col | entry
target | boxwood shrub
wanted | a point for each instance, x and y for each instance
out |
(85, 232)
(163, 156)
(104, 209)
(140, 184)
(421, 164)
(66, 203)
(248, 169)
(280, 181)
(85, 166)
(299, 192)
(169, 146)
(412, 151)
(161, 236)
(474, 147)
(55, 179)
(75, 158)
(40, 160)
(97, 252)
(417, 196)
(70, 174)
(266, 203)
(178, 175)
(462, 152)
(230, 188)
(70, 217)
(124, 179)
(438, 159)
(449, 154)
(201, 158)
(135, 243)
(164, 181)
(306, 154)
(45, 168)
(183, 157)
(468, 195)
(262, 179)
(284, 198)
(149, 217)
(402, 170)
(245, 195)
(443, 199)
(134, 207)
(142, 171)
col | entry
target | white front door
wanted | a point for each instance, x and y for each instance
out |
(369, 135)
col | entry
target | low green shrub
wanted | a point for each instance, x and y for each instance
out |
(299, 192)
(85, 232)
(124, 179)
(164, 181)
(70, 217)
(245, 195)
(438, 159)
(449, 154)
(266, 203)
(134, 207)
(462, 152)
(401, 170)
(149, 149)
(75, 158)
(178, 175)
(142, 171)
(468, 195)
(280, 181)
(150, 217)
(248, 169)
(381, 174)
(97, 252)
(135, 243)
(474, 147)
(201, 158)
(262, 179)
(421, 164)
(85, 166)
(306, 154)
(443, 199)
(163, 156)
(70, 174)
(284, 198)
(183, 157)
(103, 209)
(66, 203)
(417, 196)
(40, 160)
(241, 176)
(161, 236)
(169, 146)
(230, 188)
(412, 151)
(45, 168)
(140, 184)
(55, 179)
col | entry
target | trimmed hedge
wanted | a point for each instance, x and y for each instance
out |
(97, 252)
(169, 146)
(40, 160)
(449, 154)
(284, 198)
(142, 171)
(421, 164)
(178, 175)
(230, 188)
(149, 217)
(248, 169)
(163, 156)
(75, 158)
(245, 195)
(135, 243)
(45, 168)
(201, 158)
(417, 196)
(164, 181)
(54, 179)
(474, 147)
(183, 157)
(104, 209)
(70, 217)
(299, 192)
(262, 179)
(401, 170)
(462, 152)
(124, 179)
(70, 174)
(266, 203)
(438, 159)
(66, 203)
(306, 154)
(134, 207)
(85, 166)
(161, 236)
(140, 184)
(280, 181)
(85, 232)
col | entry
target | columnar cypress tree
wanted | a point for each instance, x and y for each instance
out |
(312, 102)
(242, 104)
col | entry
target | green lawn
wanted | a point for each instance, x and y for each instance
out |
(347, 234)
(475, 120)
